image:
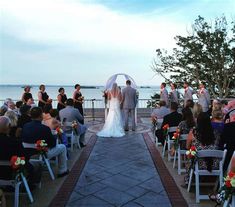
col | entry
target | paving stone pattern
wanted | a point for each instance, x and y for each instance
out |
(119, 172)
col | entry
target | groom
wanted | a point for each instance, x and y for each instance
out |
(129, 101)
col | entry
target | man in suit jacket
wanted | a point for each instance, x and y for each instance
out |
(204, 98)
(10, 146)
(164, 94)
(35, 130)
(69, 114)
(173, 119)
(129, 101)
(188, 93)
(174, 95)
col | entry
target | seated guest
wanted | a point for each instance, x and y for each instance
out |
(160, 111)
(6, 101)
(227, 140)
(190, 104)
(55, 114)
(197, 109)
(30, 102)
(217, 124)
(23, 118)
(13, 124)
(49, 121)
(227, 110)
(69, 114)
(203, 139)
(10, 147)
(187, 122)
(35, 130)
(172, 119)
(11, 106)
(18, 105)
(3, 110)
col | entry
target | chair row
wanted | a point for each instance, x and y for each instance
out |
(74, 140)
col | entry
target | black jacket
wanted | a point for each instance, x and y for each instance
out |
(34, 131)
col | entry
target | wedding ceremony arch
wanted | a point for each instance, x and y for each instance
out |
(110, 83)
(113, 79)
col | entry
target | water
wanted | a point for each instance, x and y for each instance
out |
(15, 92)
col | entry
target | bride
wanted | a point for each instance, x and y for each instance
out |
(113, 126)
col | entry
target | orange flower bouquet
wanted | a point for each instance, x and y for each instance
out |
(74, 127)
(165, 129)
(175, 139)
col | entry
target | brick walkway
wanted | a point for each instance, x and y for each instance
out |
(119, 172)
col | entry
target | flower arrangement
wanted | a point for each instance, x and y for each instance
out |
(41, 146)
(17, 164)
(165, 129)
(74, 127)
(191, 153)
(59, 130)
(227, 190)
(175, 138)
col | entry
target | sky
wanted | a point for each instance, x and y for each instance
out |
(63, 42)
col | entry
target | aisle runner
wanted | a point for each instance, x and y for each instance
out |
(119, 172)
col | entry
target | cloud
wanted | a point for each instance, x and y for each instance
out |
(83, 38)
(85, 25)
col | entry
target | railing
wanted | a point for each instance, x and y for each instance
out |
(91, 103)
(100, 104)
(95, 108)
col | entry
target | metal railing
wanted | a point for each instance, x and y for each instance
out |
(91, 103)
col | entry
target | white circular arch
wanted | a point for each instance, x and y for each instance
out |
(113, 79)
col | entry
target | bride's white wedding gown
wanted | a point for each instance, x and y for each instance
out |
(113, 126)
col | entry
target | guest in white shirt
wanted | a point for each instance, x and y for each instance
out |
(160, 111)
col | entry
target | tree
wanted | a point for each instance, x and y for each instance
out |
(207, 54)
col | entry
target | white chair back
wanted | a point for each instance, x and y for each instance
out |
(16, 184)
(29, 145)
(172, 129)
(218, 154)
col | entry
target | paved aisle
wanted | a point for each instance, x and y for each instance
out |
(119, 172)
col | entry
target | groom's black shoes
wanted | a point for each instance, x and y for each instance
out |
(126, 130)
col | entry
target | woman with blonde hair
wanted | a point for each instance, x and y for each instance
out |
(197, 109)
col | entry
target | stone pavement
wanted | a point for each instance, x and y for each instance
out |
(119, 172)
(112, 172)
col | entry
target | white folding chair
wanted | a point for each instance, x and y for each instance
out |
(168, 142)
(214, 154)
(179, 154)
(67, 126)
(16, 184)
(158, 126)
(42, 158)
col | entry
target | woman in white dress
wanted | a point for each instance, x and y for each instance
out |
(113, 126)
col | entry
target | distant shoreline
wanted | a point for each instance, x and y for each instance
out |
(82, 86)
